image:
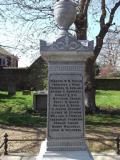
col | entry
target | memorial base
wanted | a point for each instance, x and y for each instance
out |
(63, 155)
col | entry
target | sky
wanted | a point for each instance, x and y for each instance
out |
(24, 38)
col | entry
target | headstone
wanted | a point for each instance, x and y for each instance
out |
(40, 101)
(66, 113)
(26, 92)
(11, 88)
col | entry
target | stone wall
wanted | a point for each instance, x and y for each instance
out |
(107, 84)
(37, 74)
(24, 78)
(33, 78)
(12, 76)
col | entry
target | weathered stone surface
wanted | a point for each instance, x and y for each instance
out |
(67, 43)
(40, 101)
(65, 135)
(11, 88)
(63, 155)
(65, 106)
(66, 59)
(26, 92)
(97, 156)
(29, 78)
(65, 13)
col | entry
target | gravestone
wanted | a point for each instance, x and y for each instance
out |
(11, 88)
(26, 92)
(65, 111)
(40, 101)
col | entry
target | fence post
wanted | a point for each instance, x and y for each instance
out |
(5, 144)
(118, 144)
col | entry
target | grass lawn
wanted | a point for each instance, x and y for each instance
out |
(17, 110)
(103, 119)
(108, 99)
(17, 103)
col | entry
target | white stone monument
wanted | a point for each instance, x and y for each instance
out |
(65, 111)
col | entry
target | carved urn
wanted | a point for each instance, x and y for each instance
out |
(64, 13)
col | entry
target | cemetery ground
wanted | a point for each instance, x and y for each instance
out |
(19, 121)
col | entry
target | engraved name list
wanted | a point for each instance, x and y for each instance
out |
(66, 101)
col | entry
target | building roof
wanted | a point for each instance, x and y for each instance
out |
(5, 52)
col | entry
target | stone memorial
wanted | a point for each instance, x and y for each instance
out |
(40, 101)
(65, 104)
(11, 89)
(26, 92)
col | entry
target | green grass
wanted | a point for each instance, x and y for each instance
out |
(103, 119)
(17, 110)
(17, 103)
(102, 126)
(108, 99)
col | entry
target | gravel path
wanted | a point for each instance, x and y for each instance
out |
(32, 147)
(22, 133)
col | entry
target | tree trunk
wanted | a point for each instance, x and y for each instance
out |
(81, 32)
(90, 87)
(81, 27)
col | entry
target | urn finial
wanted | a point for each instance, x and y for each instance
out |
(64, 13)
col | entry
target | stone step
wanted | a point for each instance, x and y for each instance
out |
(18, 156)
(97, 156)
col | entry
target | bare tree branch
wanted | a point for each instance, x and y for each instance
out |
(87, 2)
(110, 53)
(81, 22)
(82, 4)
(103, 15)
(113, 10)
(104, 29)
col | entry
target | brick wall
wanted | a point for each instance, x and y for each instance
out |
(24, 78)
(108, 84)
(33, 77)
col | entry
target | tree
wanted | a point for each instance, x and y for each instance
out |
(81, 23)
(110, 53)
(32, 13)
(26, 21)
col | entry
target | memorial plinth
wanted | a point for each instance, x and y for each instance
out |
(65, 104)
(65, 113)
